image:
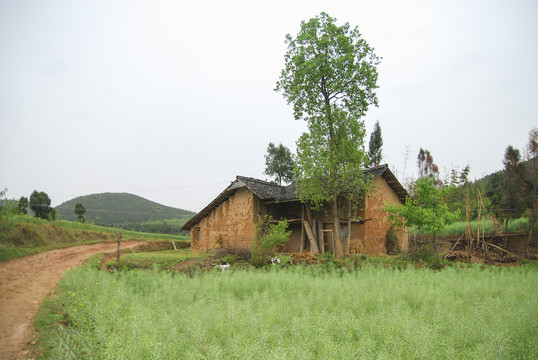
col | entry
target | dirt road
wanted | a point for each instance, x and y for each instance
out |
(24, 283)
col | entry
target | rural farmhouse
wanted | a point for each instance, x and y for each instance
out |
(229, 220)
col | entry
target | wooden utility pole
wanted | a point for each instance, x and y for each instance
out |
(119, 236)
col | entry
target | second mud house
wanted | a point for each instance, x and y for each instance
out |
(229, 220)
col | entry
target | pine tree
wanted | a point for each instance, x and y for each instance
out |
(374, 147)
(512, 182)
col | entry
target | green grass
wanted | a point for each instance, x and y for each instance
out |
(295, 313)
(25, 235)
(164, 260)
(458, 228)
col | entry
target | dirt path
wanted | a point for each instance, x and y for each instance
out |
(24, 283)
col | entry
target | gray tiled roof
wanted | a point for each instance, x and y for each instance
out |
(268, 191)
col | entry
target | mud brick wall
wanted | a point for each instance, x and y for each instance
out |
(375, 230)
(232, 221)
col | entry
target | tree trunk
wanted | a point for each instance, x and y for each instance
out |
(338, 246)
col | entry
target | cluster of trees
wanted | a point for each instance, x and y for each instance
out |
(330, 78)
(40, 205)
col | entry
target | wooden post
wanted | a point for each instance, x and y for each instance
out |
(315, 231)
(313, 245)
(321, 237)
(119, 235)
(308, 215)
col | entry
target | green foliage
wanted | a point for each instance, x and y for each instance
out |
(375, 154)
(279, 163)
(23, 205)
(513, 182)
(269, 236)
(116, 209)
(167, 226)
(295, 313)
(8, 209)
(426, 210)
(486, 226)
(163, 260)
(328, 68)
(40, 205)
(80, 210)
(329, 77)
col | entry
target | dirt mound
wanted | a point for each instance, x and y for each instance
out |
(304, 258)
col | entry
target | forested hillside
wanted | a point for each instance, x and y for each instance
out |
(119, 208)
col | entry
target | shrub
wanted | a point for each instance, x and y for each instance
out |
(269, 236)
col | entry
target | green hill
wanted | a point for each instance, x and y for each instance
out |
(113, 209)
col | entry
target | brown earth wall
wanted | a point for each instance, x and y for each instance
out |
(232, 222)
(367, 238)
(375, 230)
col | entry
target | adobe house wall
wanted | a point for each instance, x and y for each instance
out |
(375, 230)
(232, 221)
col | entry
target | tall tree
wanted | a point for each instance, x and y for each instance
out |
(23, 205)
(374, 146)
(80, 211)
(330, 77)
(40, 205)
(427, 167)
(279, 163)
(532, 157)
(513, 176)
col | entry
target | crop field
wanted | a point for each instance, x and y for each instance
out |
(371, 312)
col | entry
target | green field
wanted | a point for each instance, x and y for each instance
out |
(372, 312)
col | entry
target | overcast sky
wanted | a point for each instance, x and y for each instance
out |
(170, 100)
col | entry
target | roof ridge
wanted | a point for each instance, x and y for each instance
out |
(239, 177)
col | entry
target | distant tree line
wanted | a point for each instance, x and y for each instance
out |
(170, 226)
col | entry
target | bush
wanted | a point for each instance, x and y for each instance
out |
(269, 236)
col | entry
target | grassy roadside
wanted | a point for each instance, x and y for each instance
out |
(23, 235)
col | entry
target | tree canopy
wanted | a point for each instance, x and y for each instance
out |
(330, 77)
(23, 205)
(426, 210)
(40, 205)
(279, 163)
